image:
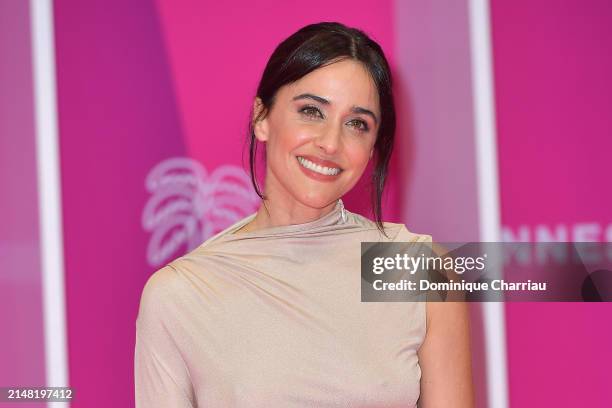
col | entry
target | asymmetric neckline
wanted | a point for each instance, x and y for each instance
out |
(332, 218)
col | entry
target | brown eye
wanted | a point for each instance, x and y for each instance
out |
(311, 111)
(361, 125)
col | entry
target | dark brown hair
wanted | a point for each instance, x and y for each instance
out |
(315, 46)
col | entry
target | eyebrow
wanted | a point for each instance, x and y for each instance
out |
(354, 109)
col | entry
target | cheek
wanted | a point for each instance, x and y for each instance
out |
(302, 131)
(358, 154)
(289, 135)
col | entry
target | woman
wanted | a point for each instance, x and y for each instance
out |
(267, 313)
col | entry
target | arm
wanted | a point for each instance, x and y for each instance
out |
(161, 377)
(445, 359)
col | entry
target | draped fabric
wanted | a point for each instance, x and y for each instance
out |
(274, 318)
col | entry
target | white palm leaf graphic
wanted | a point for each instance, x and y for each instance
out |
(187, 205)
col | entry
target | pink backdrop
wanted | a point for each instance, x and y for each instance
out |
(22, 347)
(553, 88)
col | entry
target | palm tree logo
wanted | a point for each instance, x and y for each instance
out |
(188, 205)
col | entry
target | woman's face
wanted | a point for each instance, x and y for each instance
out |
(320, 134)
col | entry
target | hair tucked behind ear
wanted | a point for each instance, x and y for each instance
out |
(315, 46)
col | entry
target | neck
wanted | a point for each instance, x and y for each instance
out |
(274, 213)
(281, 208)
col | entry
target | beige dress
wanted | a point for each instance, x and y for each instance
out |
(274, 318)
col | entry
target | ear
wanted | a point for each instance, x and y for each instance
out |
(371, 152)
(260, 126)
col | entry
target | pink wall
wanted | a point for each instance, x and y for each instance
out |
(436, 134)
(22, 343)
(436, 121)
(553, 87)
(117, 120)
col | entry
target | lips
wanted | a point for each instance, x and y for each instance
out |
(317, 171)
(321, 162)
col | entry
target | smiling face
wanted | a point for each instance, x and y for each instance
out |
(320, 134)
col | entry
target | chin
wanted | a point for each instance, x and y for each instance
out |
(319, 200)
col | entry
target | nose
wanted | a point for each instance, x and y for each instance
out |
(329, 140)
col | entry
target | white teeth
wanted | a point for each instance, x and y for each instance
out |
(329, 171)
